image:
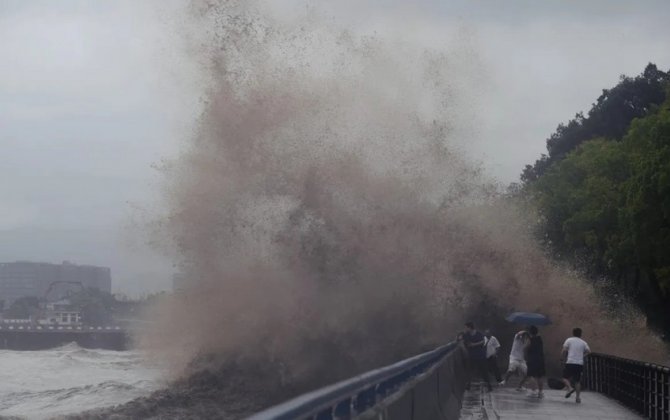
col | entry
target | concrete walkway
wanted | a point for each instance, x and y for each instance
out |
(505, 403)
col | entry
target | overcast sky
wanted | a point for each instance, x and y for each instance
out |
(92, 94)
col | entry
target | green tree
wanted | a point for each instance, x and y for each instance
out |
(580, 198)
(606, 205)
(646, 215)
(609, 117)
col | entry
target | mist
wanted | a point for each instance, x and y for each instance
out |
(326, 219)
(93, 95)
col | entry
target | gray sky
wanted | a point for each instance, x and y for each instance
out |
(93, 93)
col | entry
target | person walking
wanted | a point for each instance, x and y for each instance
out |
(475, 343)
(535, 360)
(492, 347)
(517, 360)
(574, 351)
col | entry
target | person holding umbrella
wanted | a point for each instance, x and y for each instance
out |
(535, 359)
(521, 344)
(517, 359)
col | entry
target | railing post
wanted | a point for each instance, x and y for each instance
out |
(666, 393)
(647, 391)
(601, 374)
(621, 379)
(661, 400)
(594, 362)
(586, 380)
(655, 393)
(591, 373)
(640, 388)
(607, 383)
(659, 392)
(599, 367)
(615, 380)
(343, 409)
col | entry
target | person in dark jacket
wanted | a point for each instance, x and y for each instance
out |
(535, 360)
(475, 342)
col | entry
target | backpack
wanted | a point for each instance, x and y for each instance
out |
(555, 383)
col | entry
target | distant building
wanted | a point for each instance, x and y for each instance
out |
(24, 278)
(61, 313)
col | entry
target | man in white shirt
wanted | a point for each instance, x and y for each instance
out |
(517, 358)
(492, 346)
(574, 351)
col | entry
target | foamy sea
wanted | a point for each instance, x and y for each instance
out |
(70, 379)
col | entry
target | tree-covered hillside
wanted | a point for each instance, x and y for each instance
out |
(603, 191)
(609, 117)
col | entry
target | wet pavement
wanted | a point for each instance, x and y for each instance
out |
(505, 403)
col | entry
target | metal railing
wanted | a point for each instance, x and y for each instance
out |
(643, 387)
(427, 386)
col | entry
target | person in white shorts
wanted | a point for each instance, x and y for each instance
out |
(517, 360)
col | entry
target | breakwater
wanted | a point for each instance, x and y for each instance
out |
(39, 337)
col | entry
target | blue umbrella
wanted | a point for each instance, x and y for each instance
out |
(528, 318)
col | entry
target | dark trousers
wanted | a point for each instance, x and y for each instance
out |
(479, 367)
(492, 365)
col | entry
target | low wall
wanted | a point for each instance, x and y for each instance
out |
(42, 340)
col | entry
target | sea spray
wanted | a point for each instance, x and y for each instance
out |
(325, 220)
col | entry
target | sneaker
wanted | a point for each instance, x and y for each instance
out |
(540, 395)
(578, 400)
(520, 389)
(569, 393)
(501, 383)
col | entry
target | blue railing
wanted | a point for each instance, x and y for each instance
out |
(440, 373)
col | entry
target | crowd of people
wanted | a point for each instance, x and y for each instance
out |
(526, 359)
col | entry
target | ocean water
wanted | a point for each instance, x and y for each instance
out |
(71, 379)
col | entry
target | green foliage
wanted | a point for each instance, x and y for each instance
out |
(609, 117)
(580, 199)
(607, 204)
(645, 218)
